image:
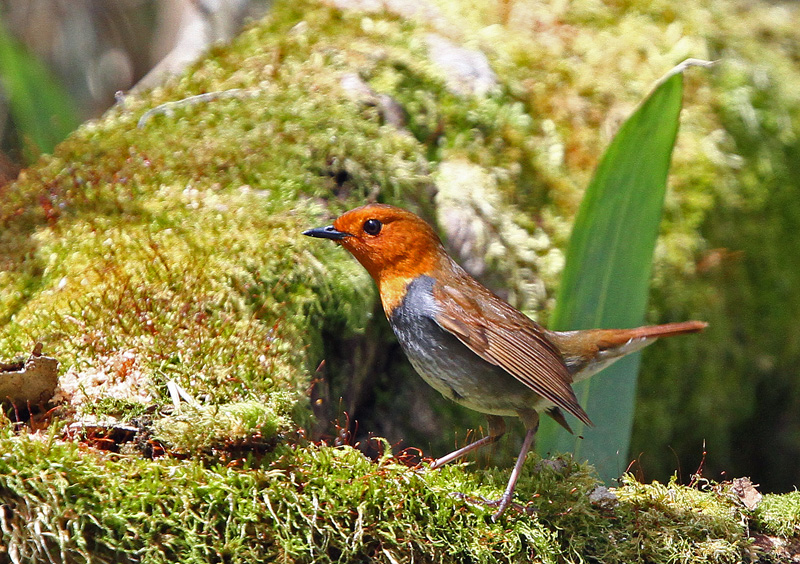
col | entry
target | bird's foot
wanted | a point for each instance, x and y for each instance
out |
(502, 503)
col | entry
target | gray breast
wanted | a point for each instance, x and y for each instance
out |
(448, 365)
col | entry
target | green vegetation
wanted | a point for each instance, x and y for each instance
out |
(780, 514)
(44, 113)
(606, 276)
(331, 504)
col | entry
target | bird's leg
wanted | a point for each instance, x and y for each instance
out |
(531, 421)
(497, 428)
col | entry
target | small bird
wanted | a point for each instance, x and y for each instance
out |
(469, 344)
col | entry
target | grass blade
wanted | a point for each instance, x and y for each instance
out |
(606, 276)
(40, 107)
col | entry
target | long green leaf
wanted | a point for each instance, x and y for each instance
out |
(41, 108)
(606, 276)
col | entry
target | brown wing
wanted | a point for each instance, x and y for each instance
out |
(503, 336)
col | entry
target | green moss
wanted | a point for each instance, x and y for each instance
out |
(694, 525)
(96, 508)
(326, 504)
(779, 515)
(200, 429)
(128, 410)
(350, 509)
(179, 244)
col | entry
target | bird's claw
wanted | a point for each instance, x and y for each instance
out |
(502, 503)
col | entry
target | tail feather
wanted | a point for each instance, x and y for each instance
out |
(587, 352)
(610, 338)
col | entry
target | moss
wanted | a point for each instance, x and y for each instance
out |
(331, 504)
(200, 429)
(126, 409)
(101, 509)
(779, 515)
(351, 509)
(154, 242)
(694, 525)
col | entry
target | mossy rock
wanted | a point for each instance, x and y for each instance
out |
(163, 266)
(332, 504)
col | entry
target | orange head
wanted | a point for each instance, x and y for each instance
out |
(394, 245)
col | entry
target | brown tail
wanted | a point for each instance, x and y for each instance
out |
(668, 329)
(587, 344)
(588, 352)
(610, 338)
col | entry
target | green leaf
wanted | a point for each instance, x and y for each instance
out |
(42, 111)
(607, 272)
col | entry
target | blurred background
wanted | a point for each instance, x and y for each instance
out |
(61, 63)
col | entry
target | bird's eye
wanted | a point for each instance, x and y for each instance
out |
(372, 227)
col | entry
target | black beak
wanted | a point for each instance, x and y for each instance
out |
(328, 232)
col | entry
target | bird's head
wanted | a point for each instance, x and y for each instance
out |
(394, 245)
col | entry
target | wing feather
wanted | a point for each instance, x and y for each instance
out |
(503, 336)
